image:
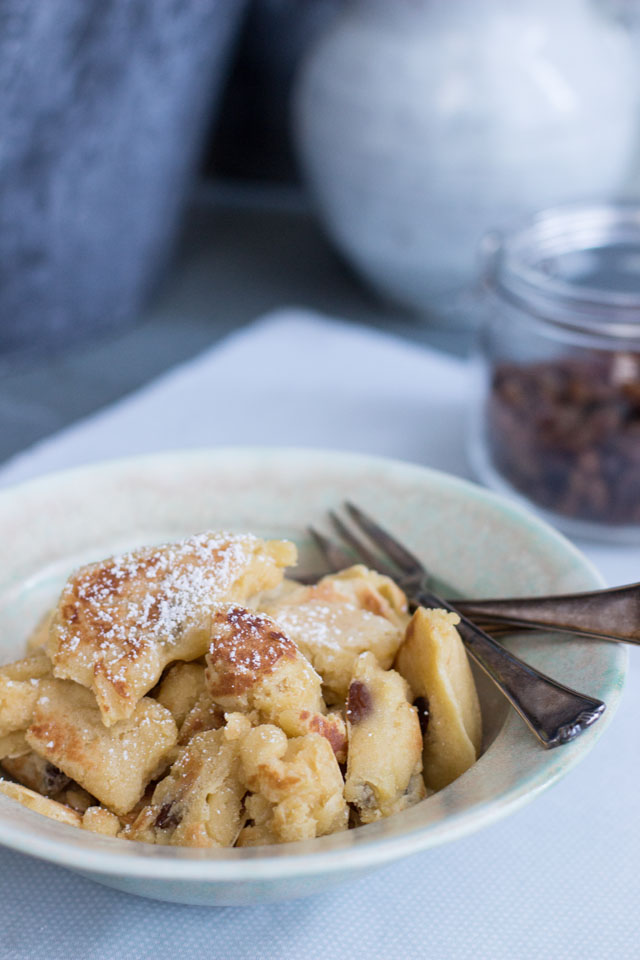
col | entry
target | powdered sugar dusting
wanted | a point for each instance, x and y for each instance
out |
(321, 625)
(149, 594)
(246, 646)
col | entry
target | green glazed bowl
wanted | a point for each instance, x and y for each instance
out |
(468, 536)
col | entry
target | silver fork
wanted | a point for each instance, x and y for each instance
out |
(555, 713)
(612, 614)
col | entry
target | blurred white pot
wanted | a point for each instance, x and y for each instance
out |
(422, 123)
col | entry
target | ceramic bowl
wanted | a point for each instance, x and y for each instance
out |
(470, 537)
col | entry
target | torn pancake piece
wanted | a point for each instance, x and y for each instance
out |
(21, 683)
(13, 745)
(180, 689)
(44, 805)
(385, 743)
(371, 591)
(340, 617)
(204, 715)
(37, 639)
(253, 666)
(114, 764)
(35, 772)
(296, 787)
(100, 820)
(199, 803)
(434, 661)
(118, 623)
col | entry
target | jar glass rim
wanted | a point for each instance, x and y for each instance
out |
(515, 266)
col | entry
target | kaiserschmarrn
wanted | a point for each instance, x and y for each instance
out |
(189, 694)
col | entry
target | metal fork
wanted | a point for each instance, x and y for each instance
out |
(612, 614)
(555, 713)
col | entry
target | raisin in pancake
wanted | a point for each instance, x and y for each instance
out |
(381, 781)
(199, 803)
(118, 623)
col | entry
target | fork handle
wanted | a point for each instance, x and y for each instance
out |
(602, 614)
(555, 713)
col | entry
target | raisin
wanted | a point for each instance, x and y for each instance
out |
(168, 818)
(564, 433)
(422, 706)
(359, 702)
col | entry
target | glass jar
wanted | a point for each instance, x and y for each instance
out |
(559, 419)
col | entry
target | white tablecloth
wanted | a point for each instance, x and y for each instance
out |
(559, 879)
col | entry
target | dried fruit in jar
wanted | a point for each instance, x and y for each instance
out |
(566, 433)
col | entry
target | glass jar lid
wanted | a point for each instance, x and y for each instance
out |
(576, 266)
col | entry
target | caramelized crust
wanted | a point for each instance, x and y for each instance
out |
(253, 666)
(245, 649)
(120, 622)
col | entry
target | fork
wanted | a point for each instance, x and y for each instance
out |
(612, 614)
(556, 714)
(609, 614)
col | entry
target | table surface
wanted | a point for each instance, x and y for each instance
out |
(232, 235)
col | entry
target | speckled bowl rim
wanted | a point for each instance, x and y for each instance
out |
(337, 853)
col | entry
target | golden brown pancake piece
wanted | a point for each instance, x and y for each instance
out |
(385, 743)
(253, 666)
(340, 617)
(120, 622)
(114, 763)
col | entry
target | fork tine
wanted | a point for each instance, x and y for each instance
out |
(399, 554)
(336, 557)
(363, 552)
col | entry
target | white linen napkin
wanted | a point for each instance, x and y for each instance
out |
(290, 379)
(558, 879)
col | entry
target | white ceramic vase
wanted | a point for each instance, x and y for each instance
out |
(421, 124)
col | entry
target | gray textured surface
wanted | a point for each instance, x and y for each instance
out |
(243, 252)
(103, 104)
